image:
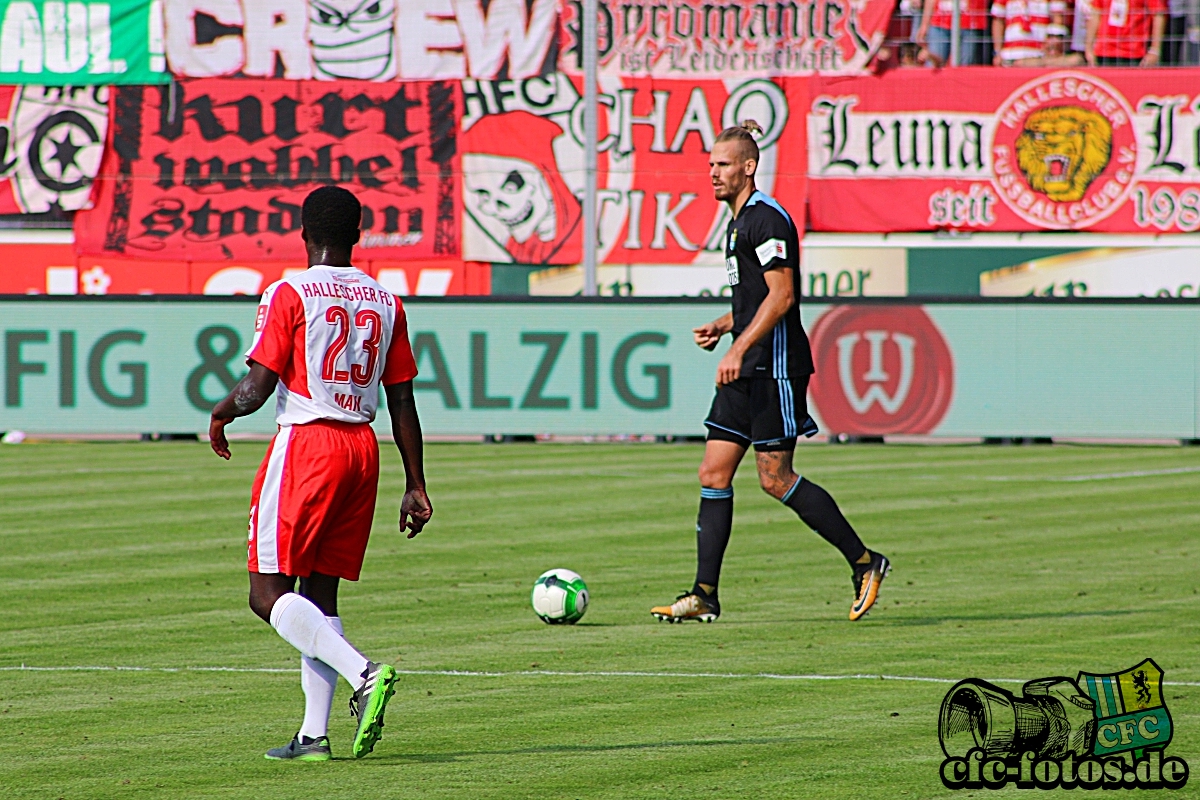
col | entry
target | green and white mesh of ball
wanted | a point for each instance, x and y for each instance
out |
(559, 597)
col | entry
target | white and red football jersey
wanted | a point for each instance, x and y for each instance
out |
(333, 335)
(1026, 25)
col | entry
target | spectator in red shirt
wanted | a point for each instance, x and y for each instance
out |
(937, 24)
(1118, 29)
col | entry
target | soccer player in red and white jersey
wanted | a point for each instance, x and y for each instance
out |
(324, 342)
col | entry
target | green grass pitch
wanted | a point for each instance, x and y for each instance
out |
(133, 555)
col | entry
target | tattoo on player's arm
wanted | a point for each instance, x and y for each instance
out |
(246, 398)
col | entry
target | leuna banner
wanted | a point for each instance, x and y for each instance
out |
(51, 144)
(694, 39)
(213, 170)
(49, 43)
(1005, 150)
(523, 174)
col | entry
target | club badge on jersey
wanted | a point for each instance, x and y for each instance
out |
(732, 276)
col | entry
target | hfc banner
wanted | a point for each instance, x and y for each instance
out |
(51, 144)
(1005, 150)
(213, 170)
(523, 176)
(56, 43)
(694, 39)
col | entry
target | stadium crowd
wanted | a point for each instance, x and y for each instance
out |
(1052, 33)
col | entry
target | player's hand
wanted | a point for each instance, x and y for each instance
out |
(1150, 59)
(216, 437)
(730, 368)
(707, 335)
(415, 511)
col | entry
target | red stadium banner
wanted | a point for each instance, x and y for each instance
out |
(746, 38)
(211, 170)
(523, 176)
(1111, 150)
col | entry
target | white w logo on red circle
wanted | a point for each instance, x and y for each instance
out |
(875, 376)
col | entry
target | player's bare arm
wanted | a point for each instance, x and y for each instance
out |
(708, 334)
(246, 397)
(415, 508)
(780, 298)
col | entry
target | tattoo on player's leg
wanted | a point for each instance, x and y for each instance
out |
(775, 473)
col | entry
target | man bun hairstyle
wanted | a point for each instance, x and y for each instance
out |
(331, 216)
(744, 135)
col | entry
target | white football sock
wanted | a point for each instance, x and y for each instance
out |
(319, 680)
(302, 625)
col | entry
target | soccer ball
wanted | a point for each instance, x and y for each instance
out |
(559, 596)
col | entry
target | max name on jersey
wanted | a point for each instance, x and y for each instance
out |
(333, 290)
(350, 402)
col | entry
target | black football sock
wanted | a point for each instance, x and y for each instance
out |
(818, 511)
(713, 525)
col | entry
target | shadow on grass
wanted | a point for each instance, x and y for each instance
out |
(573, 748)
(903, 621)
(900, 621)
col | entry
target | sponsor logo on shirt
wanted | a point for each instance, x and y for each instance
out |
(260, 319)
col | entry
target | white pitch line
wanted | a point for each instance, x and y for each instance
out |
(1103, 476)
(773, 676)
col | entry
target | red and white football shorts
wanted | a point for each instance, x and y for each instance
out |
(314, 499)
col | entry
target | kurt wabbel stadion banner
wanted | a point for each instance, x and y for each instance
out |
(613, 367)
(212, 170)
(1006, 150)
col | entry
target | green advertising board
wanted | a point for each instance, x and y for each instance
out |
(1022, 368)
(55, 43)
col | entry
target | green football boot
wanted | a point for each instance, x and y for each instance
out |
(368, 704)
(302, 749)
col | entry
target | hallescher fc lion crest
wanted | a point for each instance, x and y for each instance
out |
(1064, 150)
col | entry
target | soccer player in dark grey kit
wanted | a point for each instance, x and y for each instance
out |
(762, 382)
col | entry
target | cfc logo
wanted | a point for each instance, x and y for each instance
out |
(1064, 151)
(881, 370)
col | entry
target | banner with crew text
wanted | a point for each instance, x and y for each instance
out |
(407, 40)
(523, 176)
(217, 170)
(58, 43)
(51, 145)
(1032, 368)
(1109, 150)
